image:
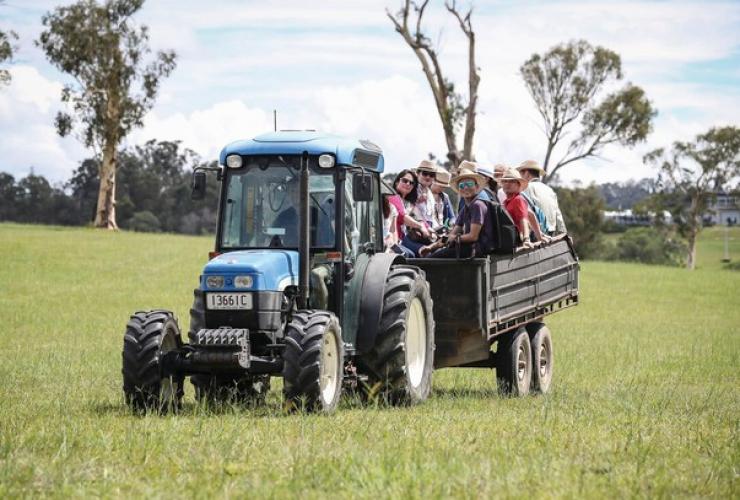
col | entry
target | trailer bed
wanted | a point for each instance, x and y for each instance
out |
(476, 300)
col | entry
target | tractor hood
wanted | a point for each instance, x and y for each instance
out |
(269, 269)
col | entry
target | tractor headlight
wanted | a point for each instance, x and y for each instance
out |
(243, 282)
(326, 161)
(233, 161)
(215, 281)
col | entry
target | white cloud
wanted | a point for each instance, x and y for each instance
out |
(341, 68)
(28, 139)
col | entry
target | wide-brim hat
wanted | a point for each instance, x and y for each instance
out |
(442, 177)
(512, 174)
(486, 172)
(498, 170)
(426, 166)
(466, 173)
(531, 165)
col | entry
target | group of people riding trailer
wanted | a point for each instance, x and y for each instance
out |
(419, 220)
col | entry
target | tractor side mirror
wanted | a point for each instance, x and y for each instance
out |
(362, 188)
(199, 186)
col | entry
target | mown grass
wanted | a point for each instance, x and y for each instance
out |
(645, 400)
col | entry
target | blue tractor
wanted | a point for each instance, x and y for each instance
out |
(298, 286)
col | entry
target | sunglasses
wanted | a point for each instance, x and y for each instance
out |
(466, 184)
(404, 180)
(426, 174)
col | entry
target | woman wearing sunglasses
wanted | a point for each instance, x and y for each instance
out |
(406, 184)
(470, 235)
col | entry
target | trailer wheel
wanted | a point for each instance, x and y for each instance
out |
(149, 336)
(313, 362)
(514, 364)
(223, 389)
(400, 365)
(542, 357)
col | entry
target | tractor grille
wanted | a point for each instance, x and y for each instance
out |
(220, 337)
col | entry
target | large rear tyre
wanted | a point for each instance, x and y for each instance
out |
(514, 364)
(149, 336)
(223, 389)
(313, 362)
(400, 365)
(542, 357)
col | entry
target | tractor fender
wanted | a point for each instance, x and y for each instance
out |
(371, 298)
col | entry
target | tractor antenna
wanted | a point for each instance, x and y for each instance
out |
(274, 120)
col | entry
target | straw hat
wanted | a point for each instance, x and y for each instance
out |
(531, 165)
(498, 170)
(426, 166)
(512, 174)
(442, 177)
(463, 172)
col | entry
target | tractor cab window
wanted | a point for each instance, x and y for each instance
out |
(364, 217)
(262, 209)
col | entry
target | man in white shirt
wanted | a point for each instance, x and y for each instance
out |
(543, 196)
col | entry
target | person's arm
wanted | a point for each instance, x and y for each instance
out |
(472, 236)
(411, 222)
(534, 223)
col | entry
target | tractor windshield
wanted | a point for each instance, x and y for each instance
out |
(262, 205)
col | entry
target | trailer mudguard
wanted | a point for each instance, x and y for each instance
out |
(371, 298)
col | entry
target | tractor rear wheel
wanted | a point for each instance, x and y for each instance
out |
(514, 363)
(149, 336)
(400, 365)
(223, 388)
(313, 362)
(542, 357)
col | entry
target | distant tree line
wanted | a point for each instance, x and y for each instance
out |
(153, 193)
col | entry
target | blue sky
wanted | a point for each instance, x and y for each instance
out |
(341, 68)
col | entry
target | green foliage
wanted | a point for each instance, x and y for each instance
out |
(6, 53)
(583, 213)
(144, 222)
(153, 178)
(648, 245)
(565, 83)
(691, 174)
(98, 46)
(644, 404)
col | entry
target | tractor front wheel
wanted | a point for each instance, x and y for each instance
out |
(149, 336)
(313, 362)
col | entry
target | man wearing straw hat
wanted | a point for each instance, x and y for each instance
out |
(469, 236)
(543, 196)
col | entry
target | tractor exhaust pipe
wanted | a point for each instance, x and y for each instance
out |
(304, 255)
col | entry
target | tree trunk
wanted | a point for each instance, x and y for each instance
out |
(694, 222)
(105, 215)
(691, 257)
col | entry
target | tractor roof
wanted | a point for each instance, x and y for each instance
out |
(288, 142)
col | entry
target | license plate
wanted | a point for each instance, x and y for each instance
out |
(229, 300)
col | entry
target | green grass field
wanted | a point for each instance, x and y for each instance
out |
(646, 398)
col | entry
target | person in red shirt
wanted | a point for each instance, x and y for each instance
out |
(513, 183)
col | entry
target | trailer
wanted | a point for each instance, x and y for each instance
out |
(499, 303)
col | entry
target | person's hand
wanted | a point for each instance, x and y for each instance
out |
(546, 238)
(425, 250)
(452, 241)
(425, 231)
